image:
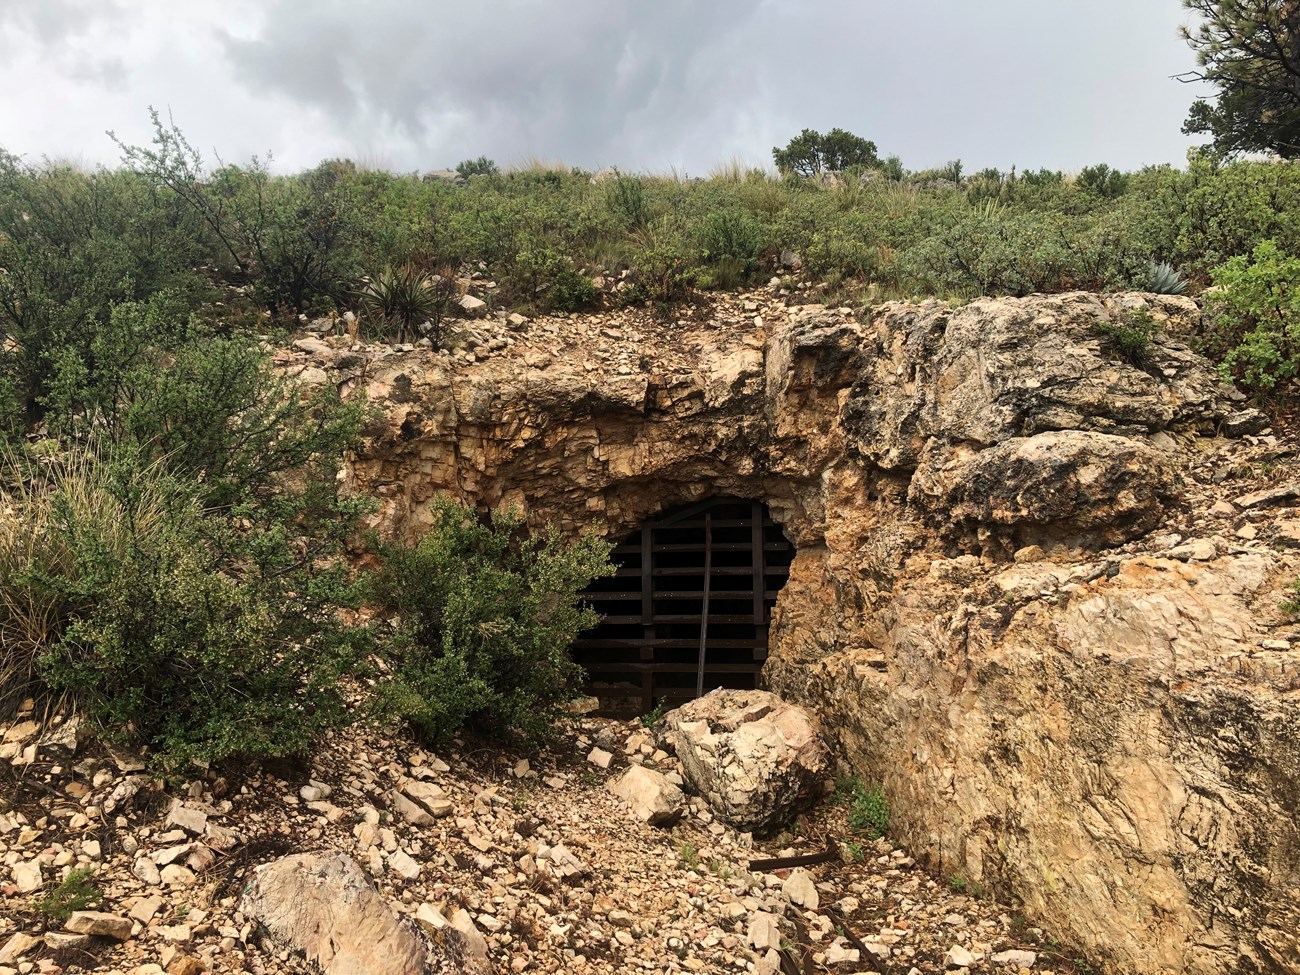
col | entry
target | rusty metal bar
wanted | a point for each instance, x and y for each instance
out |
(704, 609)
(806, 860)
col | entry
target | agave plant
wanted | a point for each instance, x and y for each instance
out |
(1162, 279)
(401, 299)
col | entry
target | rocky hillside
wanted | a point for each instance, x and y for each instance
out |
(1038, 585)
(1037, 597)
(488, 861)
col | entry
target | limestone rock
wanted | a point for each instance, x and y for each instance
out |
(757, 760)
(27, 876)
(800, 889)
(764, 932)
(649, 795)
(958, 957)
(100, 924)
(1079, 485)
(1016, 958)
(325, 907)
(1102, 697)
(430, 797)
(18, 945)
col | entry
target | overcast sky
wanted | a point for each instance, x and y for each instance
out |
(642, 84)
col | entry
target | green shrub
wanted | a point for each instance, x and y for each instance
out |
(1105, 182)
(482, 166)
(485, 616)
(868, 808)
(1254, 316)
(75, 892)
(200, 636)
(1131, 336)
(546, 278)
(626, 197)
(662, 261)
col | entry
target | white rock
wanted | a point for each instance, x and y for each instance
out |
(402, 863)
(958, 957)
(838, 952)
(325, 908)
(146, 871)
(471, 305)
(27, 876)
(600, 758)
(475, 944)
(764, 932)
(412, 812)
(174, 875)
(429, 796)
(100, 924)
(801, 890)
(146, 908)
(650, 797)
(430, 918)
(1016, 957)
(756, 760)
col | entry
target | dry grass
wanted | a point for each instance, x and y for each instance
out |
(28, 615)
(43, 506)
(536, 164)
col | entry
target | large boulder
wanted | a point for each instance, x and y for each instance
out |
(757, 760)
(325, 907)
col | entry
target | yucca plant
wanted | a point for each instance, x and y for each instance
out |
(401, 299)
(1162, 279)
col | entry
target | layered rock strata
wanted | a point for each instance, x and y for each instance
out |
(1023, 599)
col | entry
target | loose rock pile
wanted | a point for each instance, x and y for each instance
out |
(381, 856)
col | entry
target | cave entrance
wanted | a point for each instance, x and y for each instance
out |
(706, 574)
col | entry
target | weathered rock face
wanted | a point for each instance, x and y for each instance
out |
(1008, 605)
(756, 760)
(325, 907)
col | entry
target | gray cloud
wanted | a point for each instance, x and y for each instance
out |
(589, 82)
(644, 84)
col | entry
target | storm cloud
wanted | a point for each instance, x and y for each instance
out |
(642, 84)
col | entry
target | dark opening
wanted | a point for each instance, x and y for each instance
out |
(646, 649)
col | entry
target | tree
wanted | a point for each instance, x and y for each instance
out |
(810, 153)
(482, 166)
(1250, 51)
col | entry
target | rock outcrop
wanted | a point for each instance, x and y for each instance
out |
(1023, 599)
(755, 759)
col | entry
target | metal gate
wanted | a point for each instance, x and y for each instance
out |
(688, 608)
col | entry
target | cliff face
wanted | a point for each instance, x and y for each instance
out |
(1022, 599)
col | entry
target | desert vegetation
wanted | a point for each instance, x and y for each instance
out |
(175, 552)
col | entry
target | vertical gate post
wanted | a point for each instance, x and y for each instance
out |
(704, 610)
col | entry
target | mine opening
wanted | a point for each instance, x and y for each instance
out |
(695, 584)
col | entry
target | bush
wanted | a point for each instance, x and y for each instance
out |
(485, 616)
(1254, 317)
(76, 892)
(1131, 336)
(213, 412)
(1105, 182)
(482, 166)
(626, 198)
(546, 278)
(200, 636)
(868, 808)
